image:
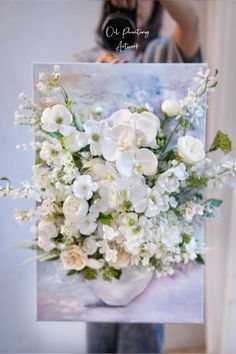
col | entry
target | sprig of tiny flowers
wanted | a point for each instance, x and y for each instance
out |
(118, 191)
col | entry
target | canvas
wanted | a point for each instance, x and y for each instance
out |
(172, 299)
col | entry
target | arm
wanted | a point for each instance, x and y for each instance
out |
(186, 33)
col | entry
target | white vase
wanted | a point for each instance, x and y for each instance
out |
(120, 292)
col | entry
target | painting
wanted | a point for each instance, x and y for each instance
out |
(174, 298)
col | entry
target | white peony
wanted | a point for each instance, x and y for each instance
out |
(171, 108)
(75, 209)
(117, 140)
(73, 257)
(190, 149)
(57, 118)
(83, 187)
(137, 161)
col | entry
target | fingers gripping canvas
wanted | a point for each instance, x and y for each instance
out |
(121, 156)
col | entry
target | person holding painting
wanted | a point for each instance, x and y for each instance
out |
(129, 31)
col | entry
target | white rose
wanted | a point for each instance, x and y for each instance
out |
(190, 149)
(73, 258)
(171, 108)
(75, 209)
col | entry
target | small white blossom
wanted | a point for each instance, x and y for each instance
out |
(84, 187)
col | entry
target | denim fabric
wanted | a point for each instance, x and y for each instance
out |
(125, 338)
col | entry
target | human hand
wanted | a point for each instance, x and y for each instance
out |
(124, 4)
(110, 58)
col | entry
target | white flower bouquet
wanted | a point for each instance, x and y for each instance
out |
(121, 191)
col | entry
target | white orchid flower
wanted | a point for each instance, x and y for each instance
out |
(137, 161)
(122, 116)
(146, 125)
(57, 118)
(116, 140)
(91, 136)
(83, 187)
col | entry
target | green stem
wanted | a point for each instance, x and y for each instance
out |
(171, 135)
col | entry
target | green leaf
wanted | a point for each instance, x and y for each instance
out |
(186, 238)
(68, 104)
(199, 259)
(72, 272)
(56, 135)
(214, 203)
(5, 179)
(105, 219)
(221, 142)
(53, 258)
(109, 273)
(89, 273)
(38, 160)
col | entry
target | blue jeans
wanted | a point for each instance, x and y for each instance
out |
(125, 338)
